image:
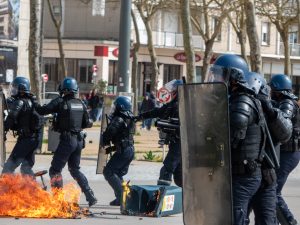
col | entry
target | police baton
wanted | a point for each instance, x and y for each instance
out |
(272, 150)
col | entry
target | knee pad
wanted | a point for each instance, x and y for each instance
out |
(73, 172)
(107, 172)
(178, 181)
(165, 174)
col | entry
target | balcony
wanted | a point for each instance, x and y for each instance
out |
(294, 49)
(169, 40)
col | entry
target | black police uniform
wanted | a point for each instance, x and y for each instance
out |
(264, 201)
(19, 119)
(172, 162)
(247, 143)
(72, 117)
(289, 152)
(120, 132)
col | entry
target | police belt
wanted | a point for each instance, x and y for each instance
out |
(71, 133)
(251, 168)
(26, 134)
(124, 144)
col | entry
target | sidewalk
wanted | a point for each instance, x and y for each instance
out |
(145, 141)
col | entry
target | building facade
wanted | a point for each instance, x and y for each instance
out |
(93, 40)
(6, 22)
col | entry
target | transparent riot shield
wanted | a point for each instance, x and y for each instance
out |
(204, 131)
(102, 156)
(2, 133)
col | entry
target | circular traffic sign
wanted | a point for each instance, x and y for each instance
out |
(163, 95)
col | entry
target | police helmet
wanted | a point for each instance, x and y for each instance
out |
(255, 81)
(20, 85)
(229, 68)
(122, 104)
(281, 82)
(69, 84)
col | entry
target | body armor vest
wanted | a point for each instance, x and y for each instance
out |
(294, 143)
(24, 119)
(69, 116)
(250, 147)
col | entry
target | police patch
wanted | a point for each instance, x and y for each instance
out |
(76, 106)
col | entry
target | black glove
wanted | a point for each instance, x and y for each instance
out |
(137, 118)
(268, 108)
(110, 149)
(34, 100)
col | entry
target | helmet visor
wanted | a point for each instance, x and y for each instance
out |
(112, 109)
(217, 74)
(14, 90)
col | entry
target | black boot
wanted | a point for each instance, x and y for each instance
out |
(115, 202)
(90, 197)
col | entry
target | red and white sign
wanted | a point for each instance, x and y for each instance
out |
(163, 95)
(181, 57)
(115, 52)
(45, 77)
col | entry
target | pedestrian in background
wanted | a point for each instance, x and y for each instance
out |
(84, 99)
(147, 105)
(95, 103)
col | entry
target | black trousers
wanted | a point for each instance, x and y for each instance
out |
(68, 151)
(22, 154)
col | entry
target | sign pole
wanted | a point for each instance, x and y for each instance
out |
(124, 46)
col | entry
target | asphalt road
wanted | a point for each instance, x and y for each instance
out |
(139, 173)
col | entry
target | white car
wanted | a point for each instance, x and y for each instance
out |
(49, 96)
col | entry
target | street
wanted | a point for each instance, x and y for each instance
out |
(140, 172)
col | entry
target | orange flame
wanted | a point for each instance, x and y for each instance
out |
(22, 196)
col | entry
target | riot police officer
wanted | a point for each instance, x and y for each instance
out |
(281, 87)
(280, 130)
(120, 132)
(246, 132)
(172, 162)
(72, 117)
(21, 119)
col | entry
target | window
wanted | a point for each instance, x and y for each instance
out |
(51, 68)
(1, 30)
(1, 19)
(171, 72)
(112, 77)
(71, 67)
(198, 74)
(56, 10)
(85, 69)
(293, 37)
(214, 23)
(265, 33)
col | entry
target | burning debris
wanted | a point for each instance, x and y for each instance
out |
(22, 196)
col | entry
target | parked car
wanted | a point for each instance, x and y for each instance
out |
(49, 96)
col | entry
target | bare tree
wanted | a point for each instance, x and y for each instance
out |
(282, 14)
(255, 57)
(136, 48)
(57, 21)
(187, 39)
(34, 48)
(204, 11)
(147, 9)
(237, 19)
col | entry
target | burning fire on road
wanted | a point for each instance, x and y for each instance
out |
(22, 196)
